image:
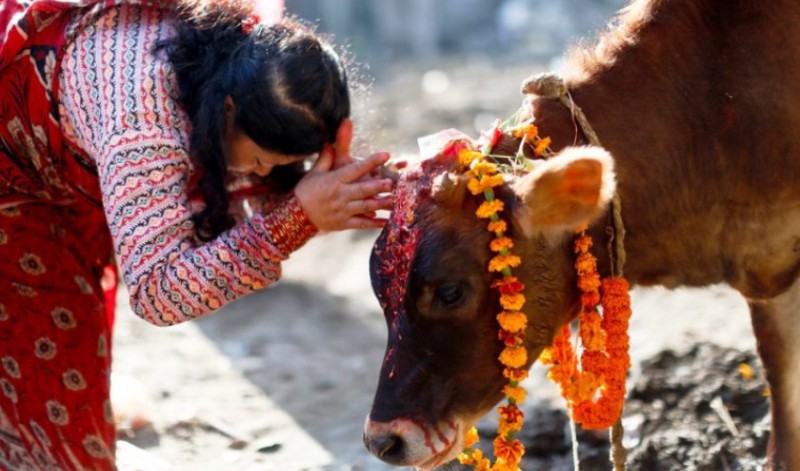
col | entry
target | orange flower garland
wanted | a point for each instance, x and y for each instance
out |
(595, 392)
(483, 177)
(605, 360)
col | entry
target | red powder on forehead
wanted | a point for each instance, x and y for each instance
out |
(401, 237)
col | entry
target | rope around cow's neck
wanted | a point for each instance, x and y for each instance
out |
(552, 86)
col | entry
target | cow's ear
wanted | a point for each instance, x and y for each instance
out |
(565, 191)
(449, 189)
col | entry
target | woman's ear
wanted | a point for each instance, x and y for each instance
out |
(230, 112)
(566, 191)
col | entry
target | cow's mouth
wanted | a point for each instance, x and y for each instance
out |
(444, 456)
(414, 443)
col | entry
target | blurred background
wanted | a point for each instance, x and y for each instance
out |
(420, 65)
(283, 379)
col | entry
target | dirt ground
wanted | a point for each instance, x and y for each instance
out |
(283, 379)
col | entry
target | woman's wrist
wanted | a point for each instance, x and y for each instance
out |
(288, 225)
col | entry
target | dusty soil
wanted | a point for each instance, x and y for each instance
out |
(283, 379)
(693, 410)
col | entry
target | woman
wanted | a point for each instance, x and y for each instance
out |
(138, 129)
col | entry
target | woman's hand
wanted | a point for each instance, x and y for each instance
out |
(345, 196)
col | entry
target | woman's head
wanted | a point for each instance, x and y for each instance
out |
(279, 87)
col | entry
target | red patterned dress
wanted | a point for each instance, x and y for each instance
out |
(94, 165)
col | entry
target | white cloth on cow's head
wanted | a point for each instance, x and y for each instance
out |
(432, 144)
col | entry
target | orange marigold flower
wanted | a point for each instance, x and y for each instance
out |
(489, 208)
(590, 299)
(511, 419)
(510, 452)
(512, 302)
(515, 374)
(512, 321)
(471, 437)
(592, 335)
(515, 393)
(542, 146)
(594, 361)
(585, 263)
(515, 357)
(499, 263)
(527, 132)
(501, 243)
(586, 387)
(583, 243)
(497, 226)
(484, 167)
(508, 285)
(466, 156)
(478, 185)
(589, 282)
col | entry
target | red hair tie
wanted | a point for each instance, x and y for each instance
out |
(250, 22)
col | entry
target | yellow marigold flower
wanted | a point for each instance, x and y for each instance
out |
(489, 208)
(547, 356)
(500, 262)
(500, 243)
(517, 393)
(513, 321)
(497, 226)
(512, 302)
(477, 186)
(542, 145)
(466, 156)
(514, 357)
(471, 437)
(483, 167)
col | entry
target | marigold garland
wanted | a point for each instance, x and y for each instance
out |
(483, 176)
(594, 392)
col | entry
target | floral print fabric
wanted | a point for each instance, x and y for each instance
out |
(93, 164)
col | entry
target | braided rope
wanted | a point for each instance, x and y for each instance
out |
(552, 86)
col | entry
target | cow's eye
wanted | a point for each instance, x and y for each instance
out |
(450, 295)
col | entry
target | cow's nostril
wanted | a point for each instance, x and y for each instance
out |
(389, 448)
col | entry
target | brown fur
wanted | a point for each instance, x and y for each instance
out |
(699, 103)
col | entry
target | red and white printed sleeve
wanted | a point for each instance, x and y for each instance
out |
(116, 105)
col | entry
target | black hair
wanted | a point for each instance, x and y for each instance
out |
(288, 86)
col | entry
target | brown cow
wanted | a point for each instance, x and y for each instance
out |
(698, 102)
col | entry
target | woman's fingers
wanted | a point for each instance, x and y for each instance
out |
(360, 222)
(363, 207)
(360, 168)
(368, 188)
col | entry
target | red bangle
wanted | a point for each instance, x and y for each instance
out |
(288, 225)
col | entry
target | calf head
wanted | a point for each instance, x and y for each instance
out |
(440, 373)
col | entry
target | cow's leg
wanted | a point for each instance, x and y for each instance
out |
(776, 323)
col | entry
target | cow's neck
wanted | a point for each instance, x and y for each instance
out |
(640, 105)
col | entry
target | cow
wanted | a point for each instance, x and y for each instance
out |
(697, 106)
